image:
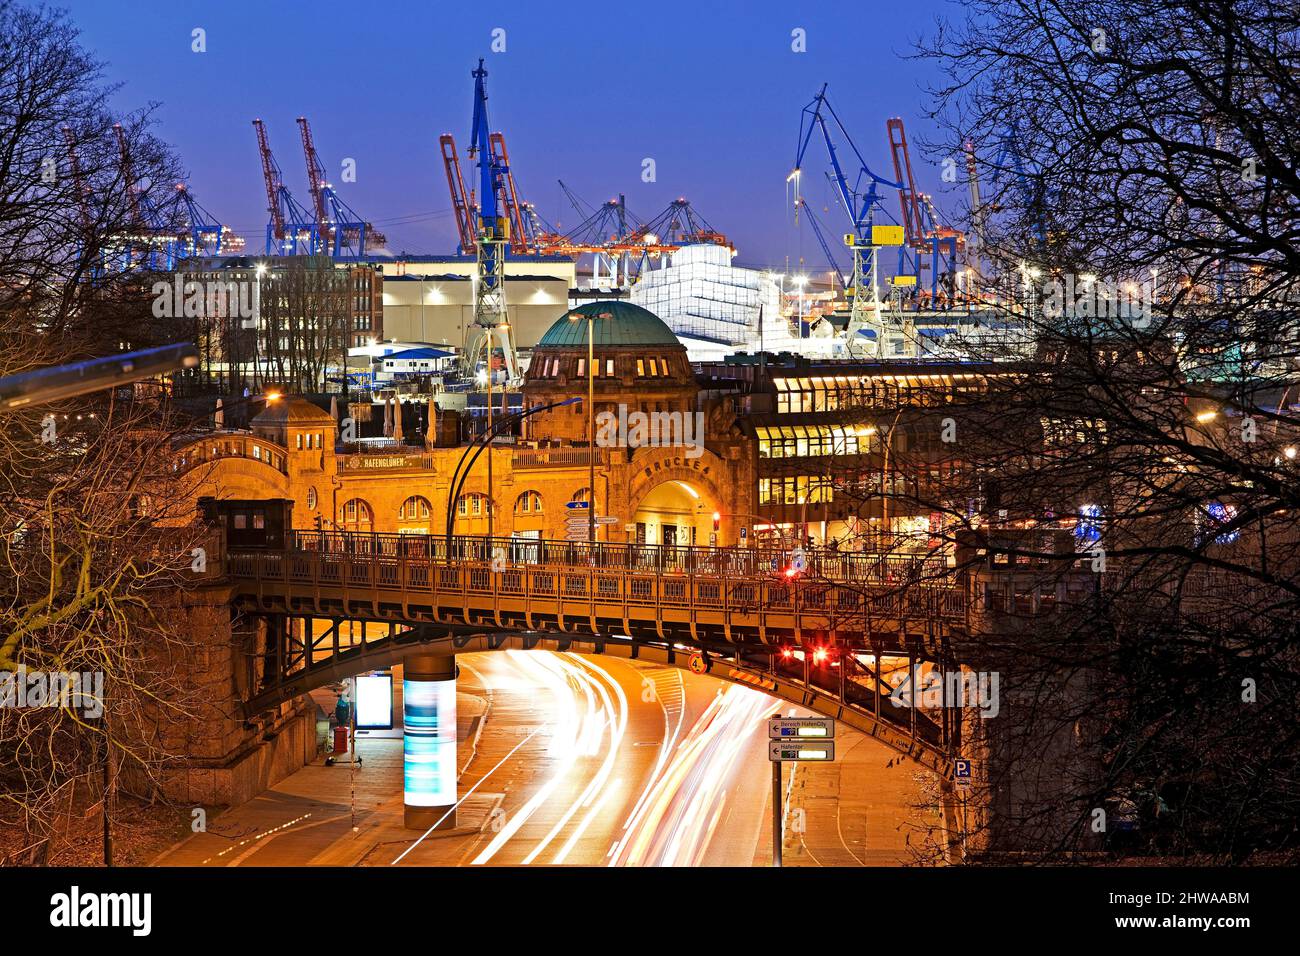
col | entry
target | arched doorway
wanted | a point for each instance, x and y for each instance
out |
(673, 513)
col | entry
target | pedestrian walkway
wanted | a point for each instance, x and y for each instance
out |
(322, 815)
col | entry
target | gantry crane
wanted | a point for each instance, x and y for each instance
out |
(860, 200)
(291, 230)
(340, 231)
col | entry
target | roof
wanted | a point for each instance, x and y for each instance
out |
(294, 410)
(420, 353)
(614, 323)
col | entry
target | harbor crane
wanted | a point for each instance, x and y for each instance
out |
(860, 200)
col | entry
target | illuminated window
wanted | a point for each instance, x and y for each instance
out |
(530, 502)
(640, 367)
(414, 508)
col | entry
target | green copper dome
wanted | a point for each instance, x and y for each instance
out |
(614, 323)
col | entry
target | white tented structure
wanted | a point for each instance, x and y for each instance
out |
(714, 307)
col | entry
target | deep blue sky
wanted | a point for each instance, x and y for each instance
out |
(710, 90)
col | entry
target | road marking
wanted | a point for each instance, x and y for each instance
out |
(479, 783)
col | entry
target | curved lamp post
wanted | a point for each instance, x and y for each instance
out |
(477, 446)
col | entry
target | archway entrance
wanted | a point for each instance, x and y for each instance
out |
(673, 513)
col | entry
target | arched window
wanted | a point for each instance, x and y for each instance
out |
(414, 508)
(472, 505)
(582, 494)
(356, 515)
(529, 503)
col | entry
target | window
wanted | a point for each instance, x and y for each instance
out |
(472, 505)
(582, 366)
(356, 515)
(530, 502)
(609, 366)
(640, 367)
(299, 442)
(257, 452)
(414, 508)
(311, 498)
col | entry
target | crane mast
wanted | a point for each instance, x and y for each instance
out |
(491, 330)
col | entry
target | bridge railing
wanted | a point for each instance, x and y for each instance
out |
(820, 603)
(659, 559)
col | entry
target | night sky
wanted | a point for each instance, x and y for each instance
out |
(583, 92)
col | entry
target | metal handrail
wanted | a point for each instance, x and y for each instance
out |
(823, 564)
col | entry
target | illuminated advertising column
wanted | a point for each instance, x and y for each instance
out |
(429, 740)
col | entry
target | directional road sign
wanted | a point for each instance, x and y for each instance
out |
(782, 751)
(802, 728)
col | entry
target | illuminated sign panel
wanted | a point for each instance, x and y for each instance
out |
(429, 712)
(783, 750)
(375, 701)
(779, 728)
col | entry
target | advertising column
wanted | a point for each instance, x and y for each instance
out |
(429, 740)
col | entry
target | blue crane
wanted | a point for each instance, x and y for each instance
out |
(822, 241)
(859, 204)
(860, 200)
(492, 330)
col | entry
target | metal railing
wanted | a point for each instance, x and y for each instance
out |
(817, 564)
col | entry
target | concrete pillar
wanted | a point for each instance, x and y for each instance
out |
(429, 740)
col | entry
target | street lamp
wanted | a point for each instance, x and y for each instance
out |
(458, 477)
(800, 281)
(591, 422)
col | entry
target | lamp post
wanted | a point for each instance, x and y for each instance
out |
(801, 281)
(458, 477)
(591, 424)
(257, 333)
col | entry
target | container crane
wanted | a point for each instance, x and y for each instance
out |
(923, 233)
(78, 180)
(291, 230)
(340, 231)
(859, 201)
(204, 235)
(151, 226)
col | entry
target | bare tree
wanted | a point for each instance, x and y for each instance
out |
(91, 531)
(1129, 473)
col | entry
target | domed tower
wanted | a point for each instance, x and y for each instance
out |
(639, 364)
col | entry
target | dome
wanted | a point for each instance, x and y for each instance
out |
(616, 323)
(292, 410)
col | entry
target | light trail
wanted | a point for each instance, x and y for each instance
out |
(675, 824)
(566, 740)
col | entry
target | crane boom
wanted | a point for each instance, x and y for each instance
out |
(907, 195)
(456, 185)
(78, 179)
(315, 181)
(507, 195)
(271, 176)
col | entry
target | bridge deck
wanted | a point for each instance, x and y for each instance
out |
(698, 594)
